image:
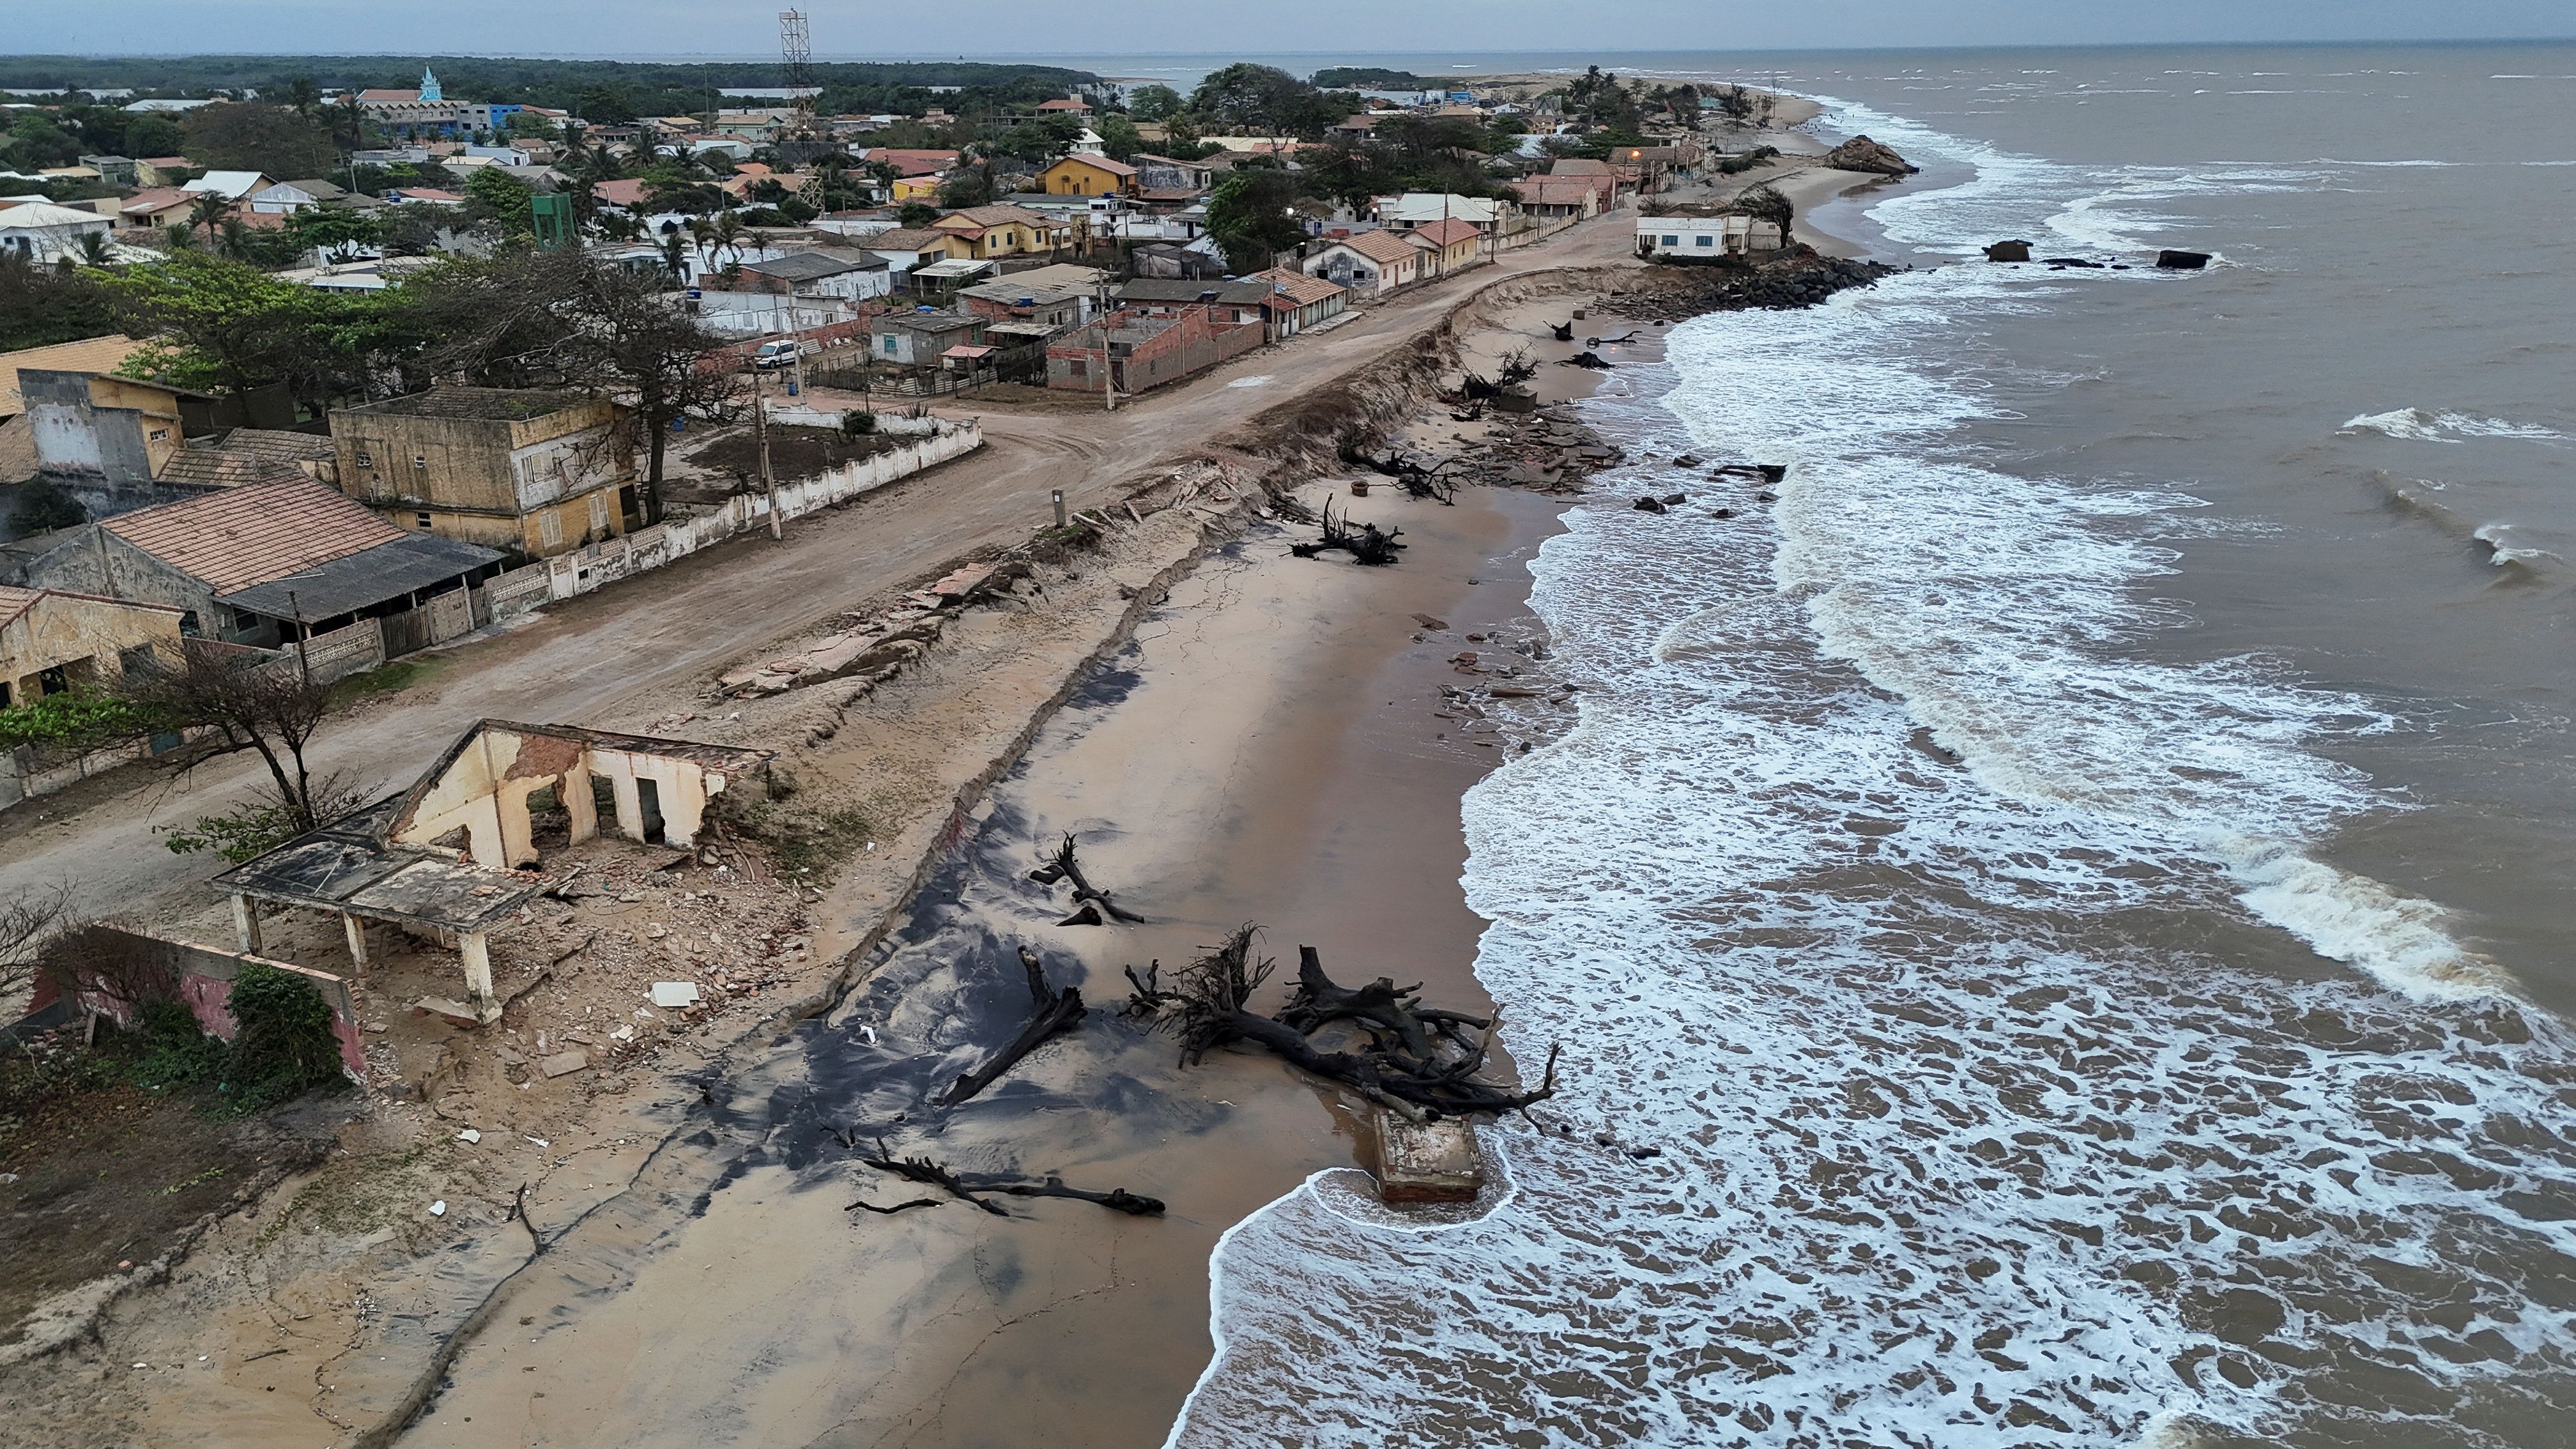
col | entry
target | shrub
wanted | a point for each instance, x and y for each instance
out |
(858, 423)
(284, 1044)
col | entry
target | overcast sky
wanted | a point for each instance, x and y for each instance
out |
(1036, 28)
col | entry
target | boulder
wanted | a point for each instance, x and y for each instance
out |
(2008, 251)
(2182, 261)
(1860, 153)
(1649, 505)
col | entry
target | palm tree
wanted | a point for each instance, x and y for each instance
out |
(93, 247)
(208, 212)
(728, 234)
(703, 236)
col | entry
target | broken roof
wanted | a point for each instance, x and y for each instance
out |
(15, 602)
(253, 534)
(347, 865)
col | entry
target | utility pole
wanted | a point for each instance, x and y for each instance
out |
(760, 438)
(1108, 376)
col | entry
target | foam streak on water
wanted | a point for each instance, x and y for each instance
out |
(2007, 1101)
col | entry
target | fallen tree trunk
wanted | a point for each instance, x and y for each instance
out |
(1056, 1011)
(1091, 904)
(1404, 1069)
(1365, 544)
(1117, 1199)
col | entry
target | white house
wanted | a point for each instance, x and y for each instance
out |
(1422, 208)
(287, 198)
(751, 314)
(1368, 263)
(1714, 236)
(825, 272)
(39, 231)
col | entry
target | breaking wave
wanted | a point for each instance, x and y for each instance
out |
(2425, 425)
(2044, 1088)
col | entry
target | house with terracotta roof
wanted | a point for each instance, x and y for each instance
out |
(1297, 301)
(1005, 231)
(534, 472)
(157, 206)
(1088, 176)
(908, 162)
(1562, 198)
(261, 564)
(623, 194)
(52, 641)
(1447, 246)
(1369, 263)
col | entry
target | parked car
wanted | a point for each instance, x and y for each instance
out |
(775, 354)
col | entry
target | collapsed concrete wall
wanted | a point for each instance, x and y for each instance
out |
(659, 788)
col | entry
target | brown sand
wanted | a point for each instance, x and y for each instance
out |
(1277, 759)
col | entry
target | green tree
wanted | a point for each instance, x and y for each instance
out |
(337, 235)
(1154, 103)
(967, 186)
(1249, 216)
(223, 326)
(1249, 99)
(1120, 138)
(35, 141)
(493, 194)
(604, 104)
(914, 215)
(234, 136)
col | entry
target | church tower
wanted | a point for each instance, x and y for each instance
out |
(429, 86)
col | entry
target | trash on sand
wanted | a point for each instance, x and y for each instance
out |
(667, 994)
(438, 1209)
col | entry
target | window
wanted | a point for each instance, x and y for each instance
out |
(889, 344)
(1078, 368)
(550, 529)
(420, 462)
(420, 520)
(1703, 240)
(365, 459)
(599, 513)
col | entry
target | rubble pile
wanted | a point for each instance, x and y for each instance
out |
(1547, 449)
(588, 969)
(1509, 699)
(874, 648)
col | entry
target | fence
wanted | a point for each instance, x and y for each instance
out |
(1010, 364)
(596, 566)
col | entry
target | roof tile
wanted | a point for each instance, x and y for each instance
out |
(254, 534)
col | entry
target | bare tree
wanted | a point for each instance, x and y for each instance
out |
(251, 701)
(27, 925)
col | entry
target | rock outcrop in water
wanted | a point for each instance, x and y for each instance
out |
(1860, 153)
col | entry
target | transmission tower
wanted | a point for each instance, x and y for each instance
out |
(798, 51)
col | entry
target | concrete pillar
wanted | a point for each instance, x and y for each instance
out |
(478, 970)
(357, 931)
(573, 789)
(245, 925)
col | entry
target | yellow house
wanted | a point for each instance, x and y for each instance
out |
(51, 641)
(1005, 231)
(913, 188)
(1088, 176)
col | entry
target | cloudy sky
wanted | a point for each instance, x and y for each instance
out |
(1031, 28)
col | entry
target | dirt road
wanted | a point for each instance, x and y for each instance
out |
(620, 656)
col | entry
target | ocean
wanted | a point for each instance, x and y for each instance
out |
(2073, 895)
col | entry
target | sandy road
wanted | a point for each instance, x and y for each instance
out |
(642, 646)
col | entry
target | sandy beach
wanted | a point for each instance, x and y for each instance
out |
(1274, 746)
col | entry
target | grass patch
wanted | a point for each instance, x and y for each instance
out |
(390, 678)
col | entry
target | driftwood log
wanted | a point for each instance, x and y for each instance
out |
(1090, 904)
(1365, 544)
(1053, 1012)
(1417, 1061)
(965, 1186)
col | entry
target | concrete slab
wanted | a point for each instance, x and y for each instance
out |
(1427, 1161)
(564, 1064)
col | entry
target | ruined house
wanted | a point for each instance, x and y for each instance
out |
(447, 856)
(534, 472)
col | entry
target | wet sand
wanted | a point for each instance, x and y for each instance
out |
(1269, 749)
